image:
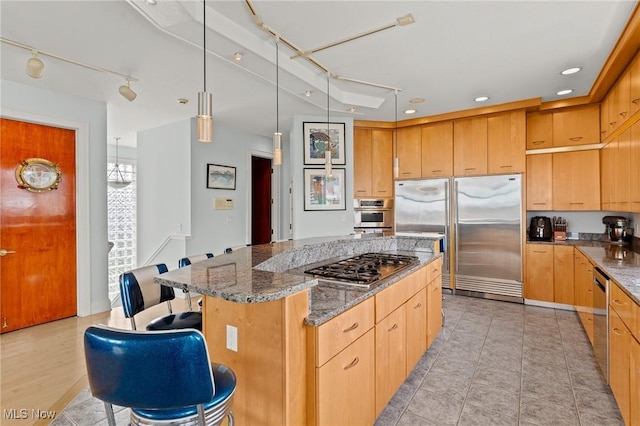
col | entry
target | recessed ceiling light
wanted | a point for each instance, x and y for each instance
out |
(307, 93)
(564, 92)
(152, 2)
(571, 71)
(409, 111)
(183, 101)
(416, 100)
(352, 109)
(481, 98)
(237, 56)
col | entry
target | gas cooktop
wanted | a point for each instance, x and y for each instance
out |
(362, 270)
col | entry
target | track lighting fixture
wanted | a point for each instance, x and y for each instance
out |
(396, 162)
(277, 136)
(205, 100)
(327, 151)
(127, 92)
(34, 65)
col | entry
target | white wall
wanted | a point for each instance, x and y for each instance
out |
(319, 223)
(89, 118)
(214, 230)
(163, 192)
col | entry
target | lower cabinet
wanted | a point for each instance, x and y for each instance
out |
(346, 385)
(619, 361)
(584, 298)
(634, 382)
(417, 334)
(434, 309)
(391, 356)
(549, 275)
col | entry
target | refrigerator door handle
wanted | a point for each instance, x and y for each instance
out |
(455, 222)
(446, 225)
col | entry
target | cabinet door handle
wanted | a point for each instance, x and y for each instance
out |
(353, 327)
(470, 168)
(617, 331)
(623, 113)
(406, 173)
(436, 171)
(636, 100)
(617, 302)
(355, 362)
(538, 142)
(576, 203)
(539, 204)
(379, 190)
(539, 251)
(576, 138)
(613, 123)
(395, 326)
(419, 305)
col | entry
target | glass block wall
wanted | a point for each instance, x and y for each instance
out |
(121, 206)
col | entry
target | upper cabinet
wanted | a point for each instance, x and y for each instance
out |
(577, 126)
(576, 180)
(506, 146)
(470, 146)
(409, 151)
(564, 127)
(437, 149)
(372, 164)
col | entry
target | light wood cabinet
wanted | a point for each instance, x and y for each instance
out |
(621, 169)
(606, 175)
(634, 382)
(434, 309)
(576, 180)
(604, 117)
(622, 111)
(539, 130)
(539, 272)
(373, 163)
(563, 274)
(417, 331)
(540, 182)
(506, 142)
(437, 149)
(583, 296)
(470, 146)
(634, 85)
(634, 173)
(619, 363)
(576, 125)
(391, 358)
(346, 386)
(409, 151)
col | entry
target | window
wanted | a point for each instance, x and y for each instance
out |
(121, 219)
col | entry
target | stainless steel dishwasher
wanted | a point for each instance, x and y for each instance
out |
(600, 324)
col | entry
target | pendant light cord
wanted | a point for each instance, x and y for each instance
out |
(277, 87)
(328, 132)
(204, 42)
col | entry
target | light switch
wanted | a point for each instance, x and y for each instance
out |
(223, 203)
(232, 338)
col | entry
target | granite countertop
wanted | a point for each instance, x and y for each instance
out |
(267, 272)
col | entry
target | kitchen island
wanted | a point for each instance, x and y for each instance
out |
(310, 352)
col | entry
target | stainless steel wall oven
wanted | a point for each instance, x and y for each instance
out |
(373, 215)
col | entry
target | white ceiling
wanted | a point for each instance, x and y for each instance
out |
(454, 52)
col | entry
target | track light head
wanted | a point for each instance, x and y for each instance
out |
(405, 20)
(34, 66)
(127, 92)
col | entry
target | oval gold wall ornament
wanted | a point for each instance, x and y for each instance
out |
(38, 175)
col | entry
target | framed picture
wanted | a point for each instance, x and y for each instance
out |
(322, 192)
(317, 141)
(221, 177)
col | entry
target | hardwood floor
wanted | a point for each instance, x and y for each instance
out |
(42, 368)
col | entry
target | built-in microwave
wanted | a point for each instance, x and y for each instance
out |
(373, 213)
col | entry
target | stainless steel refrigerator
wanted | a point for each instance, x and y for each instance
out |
(481, 220)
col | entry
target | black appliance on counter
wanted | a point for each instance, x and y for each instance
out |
(540, 229)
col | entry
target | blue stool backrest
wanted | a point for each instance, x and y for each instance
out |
(186, 261)
(139, 291)
(148, 369)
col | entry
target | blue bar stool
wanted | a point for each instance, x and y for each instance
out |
(165, 377)
(139, 292)
(186, 261)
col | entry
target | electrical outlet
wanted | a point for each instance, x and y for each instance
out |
(637, 232)
(232, 338)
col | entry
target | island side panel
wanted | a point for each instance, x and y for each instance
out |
(270, 361)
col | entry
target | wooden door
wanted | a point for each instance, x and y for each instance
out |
(410, 152)
(437, 149)
(563, 279)
(539, 130)
(39, 279)
(416, 327)
(539, 273)
(260, 200)
(382, 163)
(634, 85)
(391, 356)
(634, 381)
(434, 309)
(539, 182)
(606, 175)
(578, 126)
(623, 172)
(634, 185)
(362, 163)
(619, 357)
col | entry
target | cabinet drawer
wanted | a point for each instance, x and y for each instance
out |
(622, 303)
(434, 269)
(389, 299)
(339, 332)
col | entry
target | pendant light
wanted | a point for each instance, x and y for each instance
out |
(205, 99)
(327, 151)
(277, 136)
(396, 163)
(115, 179)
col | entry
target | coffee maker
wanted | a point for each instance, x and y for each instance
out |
(618, 229)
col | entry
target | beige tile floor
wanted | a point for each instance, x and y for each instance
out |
(494, 363)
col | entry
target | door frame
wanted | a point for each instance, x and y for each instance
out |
(83, 239)
(275, 194)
